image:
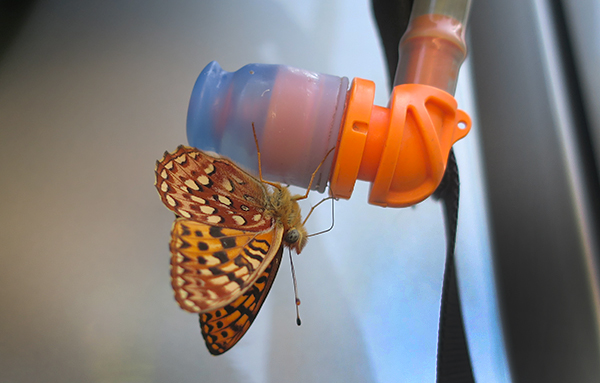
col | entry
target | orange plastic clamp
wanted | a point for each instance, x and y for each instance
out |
(402, 150)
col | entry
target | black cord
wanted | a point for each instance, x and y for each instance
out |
(453, 360)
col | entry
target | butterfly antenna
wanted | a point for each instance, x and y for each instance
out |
(259, 162)
(332, 217)
(298, 321)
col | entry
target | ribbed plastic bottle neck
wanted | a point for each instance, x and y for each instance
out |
(297, 115)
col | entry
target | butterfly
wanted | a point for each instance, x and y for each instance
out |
(227, 239)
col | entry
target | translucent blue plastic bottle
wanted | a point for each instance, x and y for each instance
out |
(297, 115)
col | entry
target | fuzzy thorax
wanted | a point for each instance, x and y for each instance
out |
(284, 208)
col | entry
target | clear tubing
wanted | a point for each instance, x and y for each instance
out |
(433, 47)
(456, 9)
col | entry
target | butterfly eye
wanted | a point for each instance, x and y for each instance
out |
(292, 236)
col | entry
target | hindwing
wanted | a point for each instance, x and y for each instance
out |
(212, 266)
(224, 327)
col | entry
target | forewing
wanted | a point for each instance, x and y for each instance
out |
(212, 266)
(211, 190)
(224, 327)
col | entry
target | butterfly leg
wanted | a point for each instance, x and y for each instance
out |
(332, 216)
(312, 178)
(259, 162)
(276, 185)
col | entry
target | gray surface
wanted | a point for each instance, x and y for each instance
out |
(582, 23)
(91, 94)
(544, 238)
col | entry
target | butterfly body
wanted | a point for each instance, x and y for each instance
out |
(282, 206)
(227, 242)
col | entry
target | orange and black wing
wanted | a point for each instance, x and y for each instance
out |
(225, 247)
(224, 327)
(212, 266)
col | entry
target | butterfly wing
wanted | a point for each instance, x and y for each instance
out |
(226, 249)
(212, 266)
(211, 190)
(224, 327)
(225, 240)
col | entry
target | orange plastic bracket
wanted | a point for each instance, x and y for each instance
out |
(402, 150)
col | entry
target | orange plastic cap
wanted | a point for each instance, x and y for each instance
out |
(402, 150)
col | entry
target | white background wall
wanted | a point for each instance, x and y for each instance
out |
(91, 94)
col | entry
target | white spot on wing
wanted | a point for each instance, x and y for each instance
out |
(212, 295)
(231, 286)
(220, 280)
(171, 201)
(189, 305)
(237, 179)
(207, 209)
(256, 217)
(184, 214)
(209, 169)
(241, 272)
(198, 199)
(254, 262)
(239, 219)
(229, 267)
(224, 200)
(203, 272)
(213, 219)
(203, 180)
(211, 261)
(191, 184)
